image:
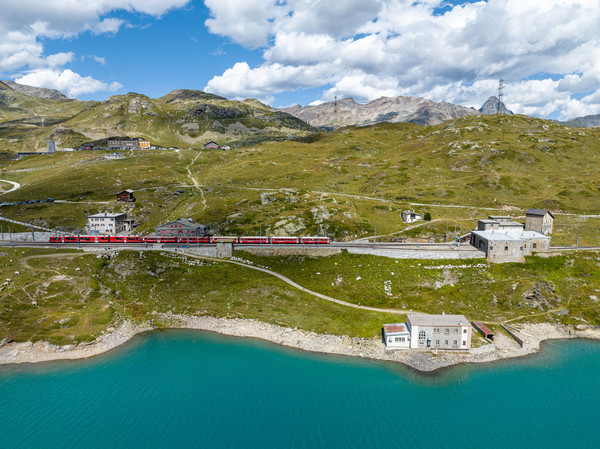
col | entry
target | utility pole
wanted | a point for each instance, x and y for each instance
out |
(446, 230)
(577, 241)
(10, 236)
(500, 94)
(375, 234)
(32, 234)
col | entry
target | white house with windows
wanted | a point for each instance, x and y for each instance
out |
(396, 336)
(439, 332)
(107, 223)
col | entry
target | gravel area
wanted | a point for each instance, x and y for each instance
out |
(425, 361)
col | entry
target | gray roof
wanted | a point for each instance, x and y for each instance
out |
(183, 222)
(106, 215)
(540, 212)
(505, 235)
(437, 320)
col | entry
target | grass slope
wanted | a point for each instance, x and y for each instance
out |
(68, 297)
(353, 180)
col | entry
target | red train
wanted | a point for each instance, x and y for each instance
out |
(248, 240)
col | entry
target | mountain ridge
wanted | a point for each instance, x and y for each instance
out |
(347, 111)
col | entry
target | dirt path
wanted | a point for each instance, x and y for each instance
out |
(46, 256)
(298, 286)
(399, 232)
(196, 183)
(15, 186)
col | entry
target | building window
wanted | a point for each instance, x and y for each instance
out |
(436, 330)
(446, 331)
(421, 335)
(506, 248)
(464, 343)
(446, 342)
(456, 331)
(455, 342)
(464, 331)
(437, 342)
(390, 340)
(535, 245)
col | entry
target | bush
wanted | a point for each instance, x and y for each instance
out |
(427, 216)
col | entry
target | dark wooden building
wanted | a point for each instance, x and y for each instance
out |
(126, 195)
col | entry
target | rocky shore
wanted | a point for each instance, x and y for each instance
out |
(504, 347)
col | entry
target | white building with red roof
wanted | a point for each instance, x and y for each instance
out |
(396, 336)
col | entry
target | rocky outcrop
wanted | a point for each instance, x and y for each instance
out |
(37, 92)
(589, 121)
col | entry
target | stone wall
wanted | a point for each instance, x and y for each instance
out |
(288, 251)
(466, 252)
(38, 236)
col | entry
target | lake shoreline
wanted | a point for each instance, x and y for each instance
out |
(503, 348)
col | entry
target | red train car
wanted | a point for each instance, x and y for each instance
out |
(315, 240)
(253, 240)
(285, 240)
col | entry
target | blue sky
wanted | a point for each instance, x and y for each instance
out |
(308, 51)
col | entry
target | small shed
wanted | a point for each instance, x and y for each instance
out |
(126, 195)
(409, 216)
(212, 145)
(396, 335)
(483, 330)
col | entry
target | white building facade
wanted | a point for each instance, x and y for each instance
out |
(451, 332)
(107, 223)
(396, 336)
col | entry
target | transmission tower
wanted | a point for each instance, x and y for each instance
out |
(500, 94)
(335, 105)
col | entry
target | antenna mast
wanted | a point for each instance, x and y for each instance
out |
(500, 94)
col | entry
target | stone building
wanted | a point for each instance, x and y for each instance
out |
(181, 227)
(504, 240)
(107, 223)
(539, 220)
(439, 332)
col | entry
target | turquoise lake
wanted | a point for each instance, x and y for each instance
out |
(188, 389)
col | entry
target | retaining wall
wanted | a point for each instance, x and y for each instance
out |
(422, 253)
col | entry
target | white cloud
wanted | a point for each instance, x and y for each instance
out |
(99, 60)
(546, 51)
(24, 25)
(66, 81)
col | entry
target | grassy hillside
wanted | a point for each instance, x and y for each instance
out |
(67, 297)
(182, 118)
(355, 181)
